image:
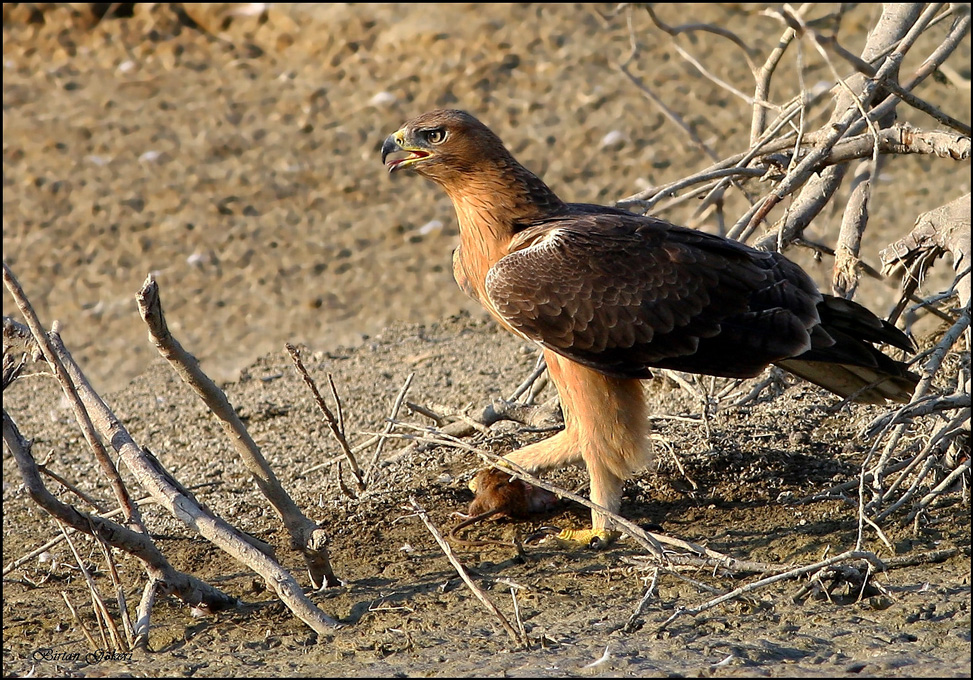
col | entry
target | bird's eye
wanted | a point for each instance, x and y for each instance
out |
(436, 136)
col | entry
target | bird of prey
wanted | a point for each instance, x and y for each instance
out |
(609, 295)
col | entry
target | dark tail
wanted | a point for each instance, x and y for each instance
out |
(844, 360)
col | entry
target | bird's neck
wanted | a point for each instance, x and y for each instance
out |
(492, 204)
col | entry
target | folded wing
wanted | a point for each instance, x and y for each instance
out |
(623, 293)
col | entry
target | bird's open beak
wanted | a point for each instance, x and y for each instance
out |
(395, 143)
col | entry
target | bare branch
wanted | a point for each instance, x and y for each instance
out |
(959, 30)
(898, 25)
(132, 516)
(945, 229)
(518, 639)
(396, 405)
(187, 588)
(306, 534)
(762, 87)
(748, 51)
(334, 423)
(793, 573)
(185, 508)
(847, 265)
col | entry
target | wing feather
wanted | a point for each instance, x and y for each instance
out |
(624, 293)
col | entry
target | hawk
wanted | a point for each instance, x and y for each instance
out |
(609, 295)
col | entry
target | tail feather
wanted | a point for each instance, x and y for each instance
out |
(869, 385)
(850, 317)
(844, 360)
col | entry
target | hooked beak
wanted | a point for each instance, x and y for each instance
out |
(395, 143)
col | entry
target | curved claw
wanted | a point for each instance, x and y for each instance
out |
(540, 535)
(596, 539)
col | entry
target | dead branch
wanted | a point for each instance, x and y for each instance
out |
(934, 446)
(20, 561)
(920, 407)
(762, 86)
(518, 639)
(183, 586)
(132, 516)
(960, 470)
(773, 154)
(708, 28)
(106, 550)
(169, 493)
(901, 25)
(796, 23)
(42, 467)
(143, 613)
(540, 367)
(878, 276)
(958, 31)
(632, 624)
(98, 605)
(945, 229)
(390, 424)
(658, 193)
(185, 508)
(894, 429)
(703, 71)
(334, 423)
(538, 417)
(80, 622)
(756, 585)
(898, 140)
(901, 140)
(934, 112)
(654, 98)
(305, 534)
(847, 270)
(938, 353)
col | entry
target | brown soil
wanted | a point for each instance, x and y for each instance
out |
(244, 170)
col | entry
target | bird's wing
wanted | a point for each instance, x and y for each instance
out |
(622, 293)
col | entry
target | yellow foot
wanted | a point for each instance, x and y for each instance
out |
(596, 539)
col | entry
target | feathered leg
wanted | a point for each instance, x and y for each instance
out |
(606, 426)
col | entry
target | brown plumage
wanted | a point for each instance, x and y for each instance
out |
(610, 295)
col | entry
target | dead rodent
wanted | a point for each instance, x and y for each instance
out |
(500, 495)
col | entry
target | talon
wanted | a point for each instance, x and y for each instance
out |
(540, 534)
(595, 539)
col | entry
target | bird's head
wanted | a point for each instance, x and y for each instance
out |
(444, 145)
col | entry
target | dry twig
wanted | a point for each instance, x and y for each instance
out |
(518, 639)
(335, 423)
(166, 491)
(756, 585)
(396, 405)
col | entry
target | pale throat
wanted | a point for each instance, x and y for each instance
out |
(491, 203)
(482, 234)
(485, 229)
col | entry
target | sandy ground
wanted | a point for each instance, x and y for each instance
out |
(241, 166)
(405, 610)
